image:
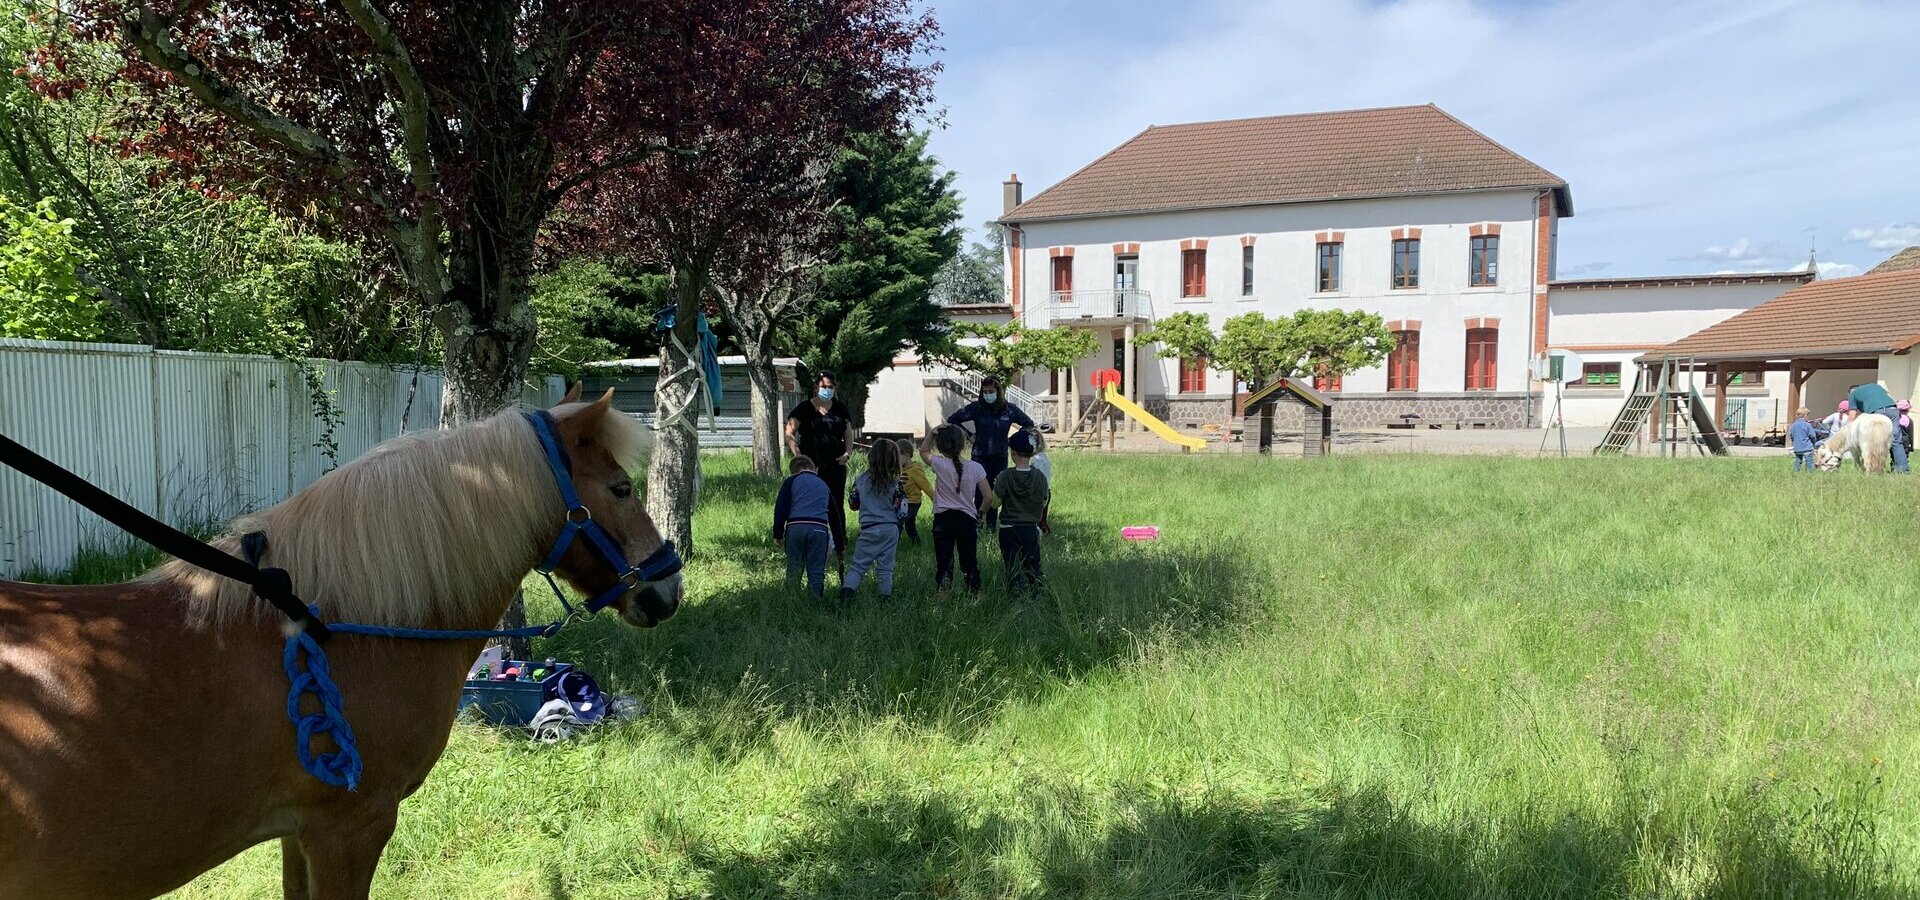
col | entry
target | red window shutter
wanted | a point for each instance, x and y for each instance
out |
(1483, 346)
(1193, 375)
(1403, 363)
(1063, 274)
(1193, 273)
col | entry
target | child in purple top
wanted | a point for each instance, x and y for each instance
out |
(956, 517)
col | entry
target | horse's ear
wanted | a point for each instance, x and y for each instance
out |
(573, 394)
(595, 411)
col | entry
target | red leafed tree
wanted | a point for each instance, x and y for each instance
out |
(452, 130)
(746, 205)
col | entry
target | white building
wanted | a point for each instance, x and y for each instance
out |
(1611, 321)
(1405, 212)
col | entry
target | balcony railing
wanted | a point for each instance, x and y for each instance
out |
(1130, 305)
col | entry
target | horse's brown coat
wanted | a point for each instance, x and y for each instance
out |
(143, 742)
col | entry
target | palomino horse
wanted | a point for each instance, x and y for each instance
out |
(143, 726)
(1869, 437)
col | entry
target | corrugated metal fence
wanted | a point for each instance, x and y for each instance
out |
(193, 438)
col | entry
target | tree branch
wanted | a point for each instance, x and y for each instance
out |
(622, 161)
(147, 32)
(416, 128)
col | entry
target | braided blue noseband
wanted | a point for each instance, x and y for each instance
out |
(343, 766)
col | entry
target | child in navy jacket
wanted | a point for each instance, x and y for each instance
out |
(800, 522)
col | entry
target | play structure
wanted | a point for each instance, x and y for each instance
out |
(1103, 415)
(1673, 415)
(1316, 419)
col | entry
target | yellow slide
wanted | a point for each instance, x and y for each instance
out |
(1166, 432)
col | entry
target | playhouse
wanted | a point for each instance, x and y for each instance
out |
(1316, 415)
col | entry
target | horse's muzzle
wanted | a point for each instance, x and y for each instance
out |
(653, 602)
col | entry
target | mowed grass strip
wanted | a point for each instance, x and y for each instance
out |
(1354, 677)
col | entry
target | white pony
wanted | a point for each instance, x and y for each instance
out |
(1869, 437)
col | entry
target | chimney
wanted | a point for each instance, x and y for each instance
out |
(1010, 193)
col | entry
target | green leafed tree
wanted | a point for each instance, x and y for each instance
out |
(40, 291)
(1185, 335)
(894, 226)
(1334, 342)
(983, 349)
(974, 275)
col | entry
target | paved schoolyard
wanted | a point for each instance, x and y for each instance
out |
(1484, 441)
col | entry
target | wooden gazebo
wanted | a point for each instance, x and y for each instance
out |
(1316, 415)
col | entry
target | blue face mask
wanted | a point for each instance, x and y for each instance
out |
(826, 393)
(990, 397)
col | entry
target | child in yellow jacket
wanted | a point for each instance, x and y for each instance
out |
(918, 483)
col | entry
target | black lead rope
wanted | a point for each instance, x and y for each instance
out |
(272, 585)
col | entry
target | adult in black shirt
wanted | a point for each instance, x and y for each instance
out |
(822, 428)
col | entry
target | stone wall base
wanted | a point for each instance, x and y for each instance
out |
(1471, 410)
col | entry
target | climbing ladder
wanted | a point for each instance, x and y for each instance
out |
(1090, 429)
(1680, 416)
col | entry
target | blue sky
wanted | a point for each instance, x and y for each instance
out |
(1697, 136)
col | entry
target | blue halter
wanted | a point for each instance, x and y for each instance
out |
(662, 563)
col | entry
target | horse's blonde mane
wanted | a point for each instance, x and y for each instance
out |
(428, 529)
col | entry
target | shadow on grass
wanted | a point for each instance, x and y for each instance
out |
(734, 665)
(1360, 845)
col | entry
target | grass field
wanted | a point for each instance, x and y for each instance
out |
(1379, 676)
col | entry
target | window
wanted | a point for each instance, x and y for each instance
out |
(1740, 379)
(1406, 263)
(1246, 271)
(1326, 383)
(1328, 278)
(1483, 260)
(1193, 273)
(1063, 277)
(1483, 350)
(1596, 375)
(1403, 362)
(1193, 375)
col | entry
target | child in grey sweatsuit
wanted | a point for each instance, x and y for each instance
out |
(881, 502)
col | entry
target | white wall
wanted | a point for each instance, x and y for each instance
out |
(896, 401)
(191, 438)
(1284, 273)
(1628, 321)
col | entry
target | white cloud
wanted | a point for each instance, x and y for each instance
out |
(1740, 251)
(1891, 237)
(1837, 270)
(1762, 117)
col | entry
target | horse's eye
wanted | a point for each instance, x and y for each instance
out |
(623, 489)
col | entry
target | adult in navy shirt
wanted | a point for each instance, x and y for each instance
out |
(822, 428)
(992, 419)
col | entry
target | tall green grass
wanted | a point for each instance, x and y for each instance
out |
(1354, 677)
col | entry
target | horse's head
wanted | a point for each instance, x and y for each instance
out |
(602, 447)
(1826, 457)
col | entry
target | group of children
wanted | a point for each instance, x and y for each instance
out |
(889, 495)
(1804, 434)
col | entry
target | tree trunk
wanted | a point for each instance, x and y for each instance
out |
(486, 361)
(764, 408)
(673, 475)
(1065, 382)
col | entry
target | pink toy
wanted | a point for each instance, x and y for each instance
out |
(1141, 532)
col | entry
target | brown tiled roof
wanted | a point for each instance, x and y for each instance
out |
(1899, 262)
(1291, 159)
(1592, 284)
(1859, 316)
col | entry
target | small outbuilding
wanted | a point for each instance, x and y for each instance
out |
(1316, 415)
(730, 425)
